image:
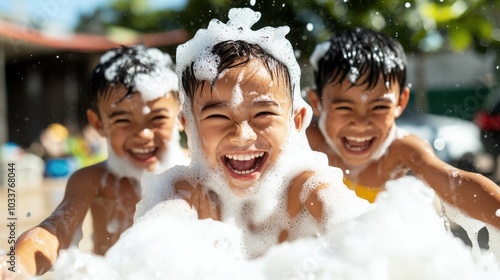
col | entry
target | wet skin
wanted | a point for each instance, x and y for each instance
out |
(356, 123)
(242, 123)
(138, 132)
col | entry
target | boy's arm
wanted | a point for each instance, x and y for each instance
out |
(313, 204)
(198, 199)
(38, 247)
(471, 192)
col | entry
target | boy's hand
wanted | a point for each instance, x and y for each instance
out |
(312, 202)
(6, 268)
(197, 199)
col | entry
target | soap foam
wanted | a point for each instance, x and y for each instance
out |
(402, 237)
(160, 81)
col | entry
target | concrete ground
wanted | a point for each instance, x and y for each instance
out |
(34, 202)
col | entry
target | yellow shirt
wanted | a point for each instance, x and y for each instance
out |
(363, 191)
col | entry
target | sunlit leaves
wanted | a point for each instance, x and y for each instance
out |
(459, 38)
(440, 12)
(417, 24)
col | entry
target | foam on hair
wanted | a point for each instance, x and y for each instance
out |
(156, 81)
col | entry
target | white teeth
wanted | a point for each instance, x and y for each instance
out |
(359, 139)
(143, 151)
(244, 172)
(242, 157)
(356, 149)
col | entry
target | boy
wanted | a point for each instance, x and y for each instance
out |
(245, 120)
(359, 78)
(134, 104)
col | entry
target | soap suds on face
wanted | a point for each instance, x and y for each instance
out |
(263, 205)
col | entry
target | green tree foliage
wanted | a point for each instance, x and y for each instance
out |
(420, 25)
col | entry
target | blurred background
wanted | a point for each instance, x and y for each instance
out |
(49, 47)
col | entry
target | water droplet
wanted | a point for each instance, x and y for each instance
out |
(309, 27)
(439, 144)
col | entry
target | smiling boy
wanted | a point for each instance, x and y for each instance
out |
(359, 79)
(245, 120)
(134, 105)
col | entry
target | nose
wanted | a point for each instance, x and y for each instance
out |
(243, 133)
(360, 119)
(146, 134)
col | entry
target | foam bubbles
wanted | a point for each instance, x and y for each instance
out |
(272, 40)
(402, 237)
(157, 83)
(173, 155)
(319, 51)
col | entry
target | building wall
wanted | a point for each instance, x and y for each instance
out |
(44, 90)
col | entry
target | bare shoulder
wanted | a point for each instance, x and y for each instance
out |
(314, 136)
(411, 145)
(87, 179)
(415, 153)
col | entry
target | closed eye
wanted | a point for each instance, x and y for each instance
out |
(266, 113)
(216, 116)
(381, 107)
(343, 108)
(161, 118)
(121, 121)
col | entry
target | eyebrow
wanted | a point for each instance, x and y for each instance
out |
(341, 100)
(160, 110)
(266, 103)
(225, 104)
(383, 99)
(336, 100)
(215, 105)
(118, 113)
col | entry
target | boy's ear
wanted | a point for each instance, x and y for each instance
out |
(182, 120)
(314, 101)
(299, 118)
(95, 121)
(404, 97)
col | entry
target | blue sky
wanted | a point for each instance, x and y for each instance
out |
(64, 13)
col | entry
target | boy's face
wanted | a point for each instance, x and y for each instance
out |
(243, 122)
(137, 131)
(357, 120)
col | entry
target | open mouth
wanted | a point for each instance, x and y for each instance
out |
(143, 154)
(244, 164)
(358, 144)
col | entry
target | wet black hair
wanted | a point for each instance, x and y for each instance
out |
(128, 63)
(233, 54)
(362, 51)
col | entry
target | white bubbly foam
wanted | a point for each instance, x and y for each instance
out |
(272, 40)
(266, 208)
(159, 82)
(399, 237)
(402, 237)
